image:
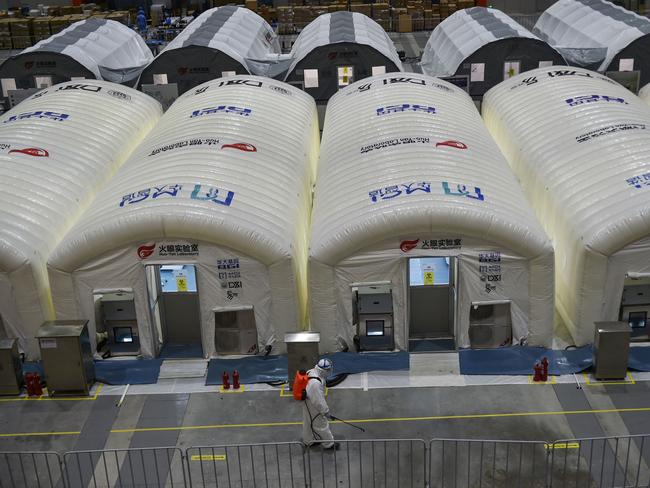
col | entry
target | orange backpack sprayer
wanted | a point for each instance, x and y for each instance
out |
(300, 385)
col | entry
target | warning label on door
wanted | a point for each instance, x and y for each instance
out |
(428, 277)
(181, 283)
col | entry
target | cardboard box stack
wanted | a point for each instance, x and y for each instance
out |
(362, 8)
(119, 16)
(285, 20)
(251, 5)
(41, 27)
(5, 34)
(381, 14)
(21, 32)
(57, 24)
(405, 23)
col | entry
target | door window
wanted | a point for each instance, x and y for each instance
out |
(180, 278)
(429, 271)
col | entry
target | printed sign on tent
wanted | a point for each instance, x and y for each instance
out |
(229, 273)
(167, 250)
(490, 269)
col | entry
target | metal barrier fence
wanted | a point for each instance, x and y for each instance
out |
(30, 469)
(611, 462)
(475, 463)
(603, 462)
(236, 466)
(376, 463)
(125, 468)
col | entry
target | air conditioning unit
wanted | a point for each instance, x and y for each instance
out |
(235, 331)
(490, 325)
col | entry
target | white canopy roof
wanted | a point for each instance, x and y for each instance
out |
(644, 94)
(337, 27)
(579, 144)
(57, 149)
(347, 218)
(236, 31)
(109, 49)
(465, 32)
(216, 169)
(406, 156)
(590, 31)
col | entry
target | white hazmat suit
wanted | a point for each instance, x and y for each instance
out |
(315, 412)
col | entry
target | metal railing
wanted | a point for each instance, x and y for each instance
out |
(30, 469)
(376, 463)
(611, 462)
(602, 462)
(125, 468)
(276, 465)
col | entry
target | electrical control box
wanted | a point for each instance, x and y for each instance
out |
(66, 356)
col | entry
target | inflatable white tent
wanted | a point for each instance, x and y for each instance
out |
(644, 94)
(409, 180)
(58, 148)
(598, 35)
(337, 49)
(218, 195)
(579, 144)
(485, 45)
(219, 42)
(93, 49)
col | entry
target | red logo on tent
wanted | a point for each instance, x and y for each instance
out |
(407, 246)
(145, 251)
(454, 144)
(332, 55)
(29, 64)
(242, 146)
(182, 71)
(31, 151)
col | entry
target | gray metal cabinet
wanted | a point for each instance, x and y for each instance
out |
(66, 356)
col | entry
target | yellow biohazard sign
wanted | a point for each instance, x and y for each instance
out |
(181, 283)
(428, 278)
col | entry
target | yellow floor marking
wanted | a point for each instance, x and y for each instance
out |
(386, 420)
(477, 416)
(54, 398)
(231, 390)
(208, 457)
(590, 382)
(563, 445)
(38, 434)
(552, 380)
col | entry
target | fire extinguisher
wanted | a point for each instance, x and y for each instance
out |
(225, 380)
(544, 368)
(537, 368)
(235, 380)
(38, 390)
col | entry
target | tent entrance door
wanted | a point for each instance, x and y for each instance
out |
(635, 306)
(432, 303)
(178, 299)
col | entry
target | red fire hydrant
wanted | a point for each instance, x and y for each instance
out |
(544, 368)
(226, 381)
(235, 380)
(538, 372)
(38, 390)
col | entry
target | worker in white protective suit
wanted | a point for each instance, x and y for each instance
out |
(315, 412)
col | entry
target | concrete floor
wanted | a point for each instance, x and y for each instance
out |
(183, 413)
(518, 412)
